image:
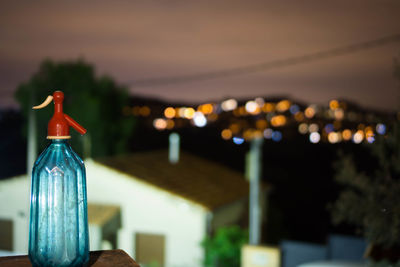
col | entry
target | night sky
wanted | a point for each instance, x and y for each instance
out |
(135, 40)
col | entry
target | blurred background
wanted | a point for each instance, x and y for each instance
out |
(220, 133)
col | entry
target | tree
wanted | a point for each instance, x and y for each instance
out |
(95, 102)
(371, 198)
(223, 249)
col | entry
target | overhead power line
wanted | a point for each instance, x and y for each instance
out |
(241, 70)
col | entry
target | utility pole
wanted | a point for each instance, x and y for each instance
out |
(254, 161)
(32, 136)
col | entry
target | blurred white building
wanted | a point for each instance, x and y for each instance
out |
(154, 209)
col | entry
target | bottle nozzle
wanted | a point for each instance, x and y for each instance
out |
(59, 124)
(45, 103)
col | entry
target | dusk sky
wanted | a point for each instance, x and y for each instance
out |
(136, 40)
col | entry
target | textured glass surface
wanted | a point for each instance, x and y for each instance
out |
(58, 234)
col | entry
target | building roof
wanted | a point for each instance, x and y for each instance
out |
(196, 179)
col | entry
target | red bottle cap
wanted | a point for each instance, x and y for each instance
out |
(58, 127)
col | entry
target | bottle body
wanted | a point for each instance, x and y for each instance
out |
(58, 234)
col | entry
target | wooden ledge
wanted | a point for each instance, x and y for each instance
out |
(101, 258)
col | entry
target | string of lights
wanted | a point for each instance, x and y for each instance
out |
(265, 66)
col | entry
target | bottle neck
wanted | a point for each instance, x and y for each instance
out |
(59, 141)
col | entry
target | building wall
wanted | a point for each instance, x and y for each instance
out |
(229, 214)
(148, 209)
(14, 199)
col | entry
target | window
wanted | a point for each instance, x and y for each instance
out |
(6, 235)
(150, 249)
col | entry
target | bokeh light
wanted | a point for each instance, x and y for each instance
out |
(169, 112)
(252, 107)
(339, 114)
(160, 124)
(329, 128)
(199, 119)
(268, 107)
(310, 112)
(303, 128)
(346, 134)
(333, 104)
(234, 127)
(314, 137)
(334, 137)
(238, 140)
(206, 108)
(299, 116)
(268, 133)
(294, 109)
(313, 128)
(226, 134)
(170, 124)
(144, 111)
(261, 124)
(229, 104)
(276, 136)
(283, 105)
(278, 120)
(381, 128)
(189, 113)
(358, 137)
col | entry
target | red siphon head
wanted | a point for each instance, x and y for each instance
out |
(58, 127)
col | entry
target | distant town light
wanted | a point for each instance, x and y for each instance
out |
(358, 137)
(294, 109)
(381, 128)
(238, 140)
(199, 119)
(234, 127)
(189, 113)
(170, 124)
(278, 120)
(276, 136)
(368, 132)
(144, 111)
(251, 107)
(226, 134)
(261, 124)
(268, 133)
(206, 108)
(299, 116)
(229, 104)
(135, 110)
(283, 105)
(346, 134)
(370, 139)
(314, 137)
(169, 112)
(259, 101)
(160, 124)
(333, 104)
(181, 112)
(329, 128)
(268, 107)
(338, 114)
(303, 128)
(310, 112)
(313, 128)
(334, 137)
(248, 134)
(337, 125)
